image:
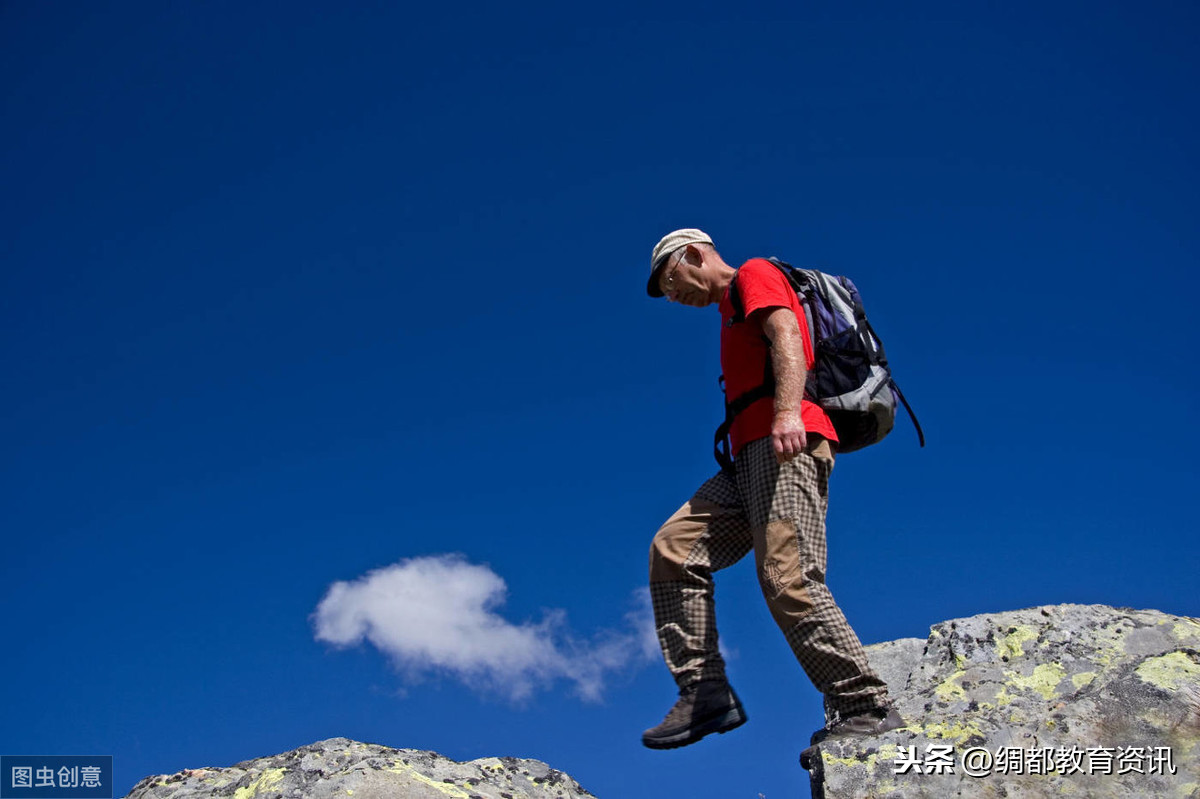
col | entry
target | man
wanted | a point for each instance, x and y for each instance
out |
(773, 501)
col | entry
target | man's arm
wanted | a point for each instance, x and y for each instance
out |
(780, 326)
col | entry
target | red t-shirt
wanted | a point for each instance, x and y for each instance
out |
(744, 353)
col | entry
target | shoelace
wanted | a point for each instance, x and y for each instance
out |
(684, 705)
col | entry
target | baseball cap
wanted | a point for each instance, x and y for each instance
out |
(667, 245)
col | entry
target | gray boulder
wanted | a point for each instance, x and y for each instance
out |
(348, 769)
(1064, 700)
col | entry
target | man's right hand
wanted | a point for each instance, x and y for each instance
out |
(788, 435)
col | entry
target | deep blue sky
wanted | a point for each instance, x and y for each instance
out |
(291, 292)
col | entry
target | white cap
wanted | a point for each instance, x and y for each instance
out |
(667, 245)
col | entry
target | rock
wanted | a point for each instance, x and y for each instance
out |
(1065, 692)
(348, 769)
(894, 661)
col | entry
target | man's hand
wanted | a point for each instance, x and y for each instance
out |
(787, 435)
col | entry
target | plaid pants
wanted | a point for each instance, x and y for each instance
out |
(779, 512)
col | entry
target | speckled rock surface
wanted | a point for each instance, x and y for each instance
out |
(348, 769)
(1055, 696)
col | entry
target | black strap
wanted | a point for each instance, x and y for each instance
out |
(732, 409)
(911, 415)
(735, 299)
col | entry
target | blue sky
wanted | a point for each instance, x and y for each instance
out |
(294, 293)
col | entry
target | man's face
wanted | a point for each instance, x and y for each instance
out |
(680, 282)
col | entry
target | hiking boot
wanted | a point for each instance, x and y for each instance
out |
(872, 722)
(705, 707)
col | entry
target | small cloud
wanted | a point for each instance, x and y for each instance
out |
(641, 619)
(439, 615)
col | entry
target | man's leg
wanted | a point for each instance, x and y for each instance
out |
(707, 534)
(785, 505)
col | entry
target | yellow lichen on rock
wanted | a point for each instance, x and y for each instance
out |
(1044, 679)
(956, 731)
(886, 753)
(400, 767)
(1082, 678)
(1002, 696)
(1109, 645)
(950, 690)
(1170, 672)
(265, 782)
(1013, 644)
(1187, 631)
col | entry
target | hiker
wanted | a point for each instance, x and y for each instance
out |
(771, 500)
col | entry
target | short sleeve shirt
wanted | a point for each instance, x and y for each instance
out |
(744, 353)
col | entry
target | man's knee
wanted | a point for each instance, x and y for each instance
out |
(675, 540)
(668, 552)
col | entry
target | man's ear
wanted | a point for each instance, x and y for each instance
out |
(693, 256)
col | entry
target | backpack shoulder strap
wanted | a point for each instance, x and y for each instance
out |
(735, 299)
(800, 281)
(735, 294)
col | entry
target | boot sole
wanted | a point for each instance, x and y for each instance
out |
(729, 720)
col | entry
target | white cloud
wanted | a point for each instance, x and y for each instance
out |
(439, 615)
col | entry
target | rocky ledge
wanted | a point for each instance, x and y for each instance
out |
(348, 769)
(1064, 700)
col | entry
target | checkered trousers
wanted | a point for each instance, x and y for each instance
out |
(778, 512)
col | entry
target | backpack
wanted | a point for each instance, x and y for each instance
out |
(850, 378)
